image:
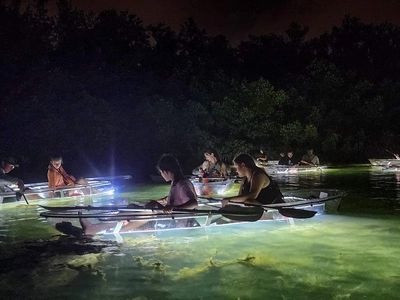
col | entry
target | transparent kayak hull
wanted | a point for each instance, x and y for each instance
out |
(212, 186)
(41, 191)
(385, 162)
(113, 225)
(293, 170)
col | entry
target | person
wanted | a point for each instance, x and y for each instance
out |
(8, 165)
(257, 188)
(310, 158)
(212, 165)
(181, 195)
(288, 159)
(57, 177)
(282, 159)
(262, 158)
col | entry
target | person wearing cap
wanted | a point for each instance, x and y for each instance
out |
(7, 165)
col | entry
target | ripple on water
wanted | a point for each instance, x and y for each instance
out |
(329, 257)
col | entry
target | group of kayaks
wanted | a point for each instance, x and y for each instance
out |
(209, 213)
(98, 186)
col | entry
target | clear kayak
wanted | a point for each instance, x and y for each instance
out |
(385, 162)
(40, 191)
(115, 220)
(212, 186)
(293, 170)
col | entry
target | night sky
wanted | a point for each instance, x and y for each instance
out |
(238, 18)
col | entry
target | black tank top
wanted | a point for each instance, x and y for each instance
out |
(268, 195)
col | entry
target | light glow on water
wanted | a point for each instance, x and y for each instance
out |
(352, 255)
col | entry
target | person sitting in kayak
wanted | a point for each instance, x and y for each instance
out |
(287, 160)
(257, 187)
(7, 165)
(181, 195)
(262, 158)
(309, 158)
(212, 166)
(57, 177)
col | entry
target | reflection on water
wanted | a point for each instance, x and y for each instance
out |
(352, 255)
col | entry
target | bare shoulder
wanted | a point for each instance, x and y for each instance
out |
(261, 177)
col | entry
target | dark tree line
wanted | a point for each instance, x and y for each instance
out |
(108, 92)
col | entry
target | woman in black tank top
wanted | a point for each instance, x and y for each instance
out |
(257, 187)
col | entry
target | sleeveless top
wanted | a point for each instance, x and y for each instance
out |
(268, 195)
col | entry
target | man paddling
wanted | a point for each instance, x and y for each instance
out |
(7, 165)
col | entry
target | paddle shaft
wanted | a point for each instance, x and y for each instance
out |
(18, 194)
(123, 216)
(394, 154)
(233, 212)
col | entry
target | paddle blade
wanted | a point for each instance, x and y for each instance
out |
(240, 213)
(297, 213)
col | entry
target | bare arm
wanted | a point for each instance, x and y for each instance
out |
(306, 163)
(205, 165)
(224, 172)
(192, 203)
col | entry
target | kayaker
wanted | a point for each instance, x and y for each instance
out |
(287, 160)
(181, 195)
(7, 165)
(310, 158)
(212, 165)
(262, 158)
(282, 158)
(57, 177)
(257, 187)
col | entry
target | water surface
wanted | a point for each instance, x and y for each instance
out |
(352, 254)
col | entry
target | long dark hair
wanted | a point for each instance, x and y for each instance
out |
(247, 160)
(216, 154)
(168, 162)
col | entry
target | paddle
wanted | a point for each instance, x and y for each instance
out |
(23, 195)
(87, 207)
(284, 211)
(394, 154)
(18, 194)
(233, 212)
(118, 215)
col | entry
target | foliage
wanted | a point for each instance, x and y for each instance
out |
(104, 89)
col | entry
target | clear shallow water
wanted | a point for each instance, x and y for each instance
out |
(350, 255)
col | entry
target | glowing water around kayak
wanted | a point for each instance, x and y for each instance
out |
(351, 255)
